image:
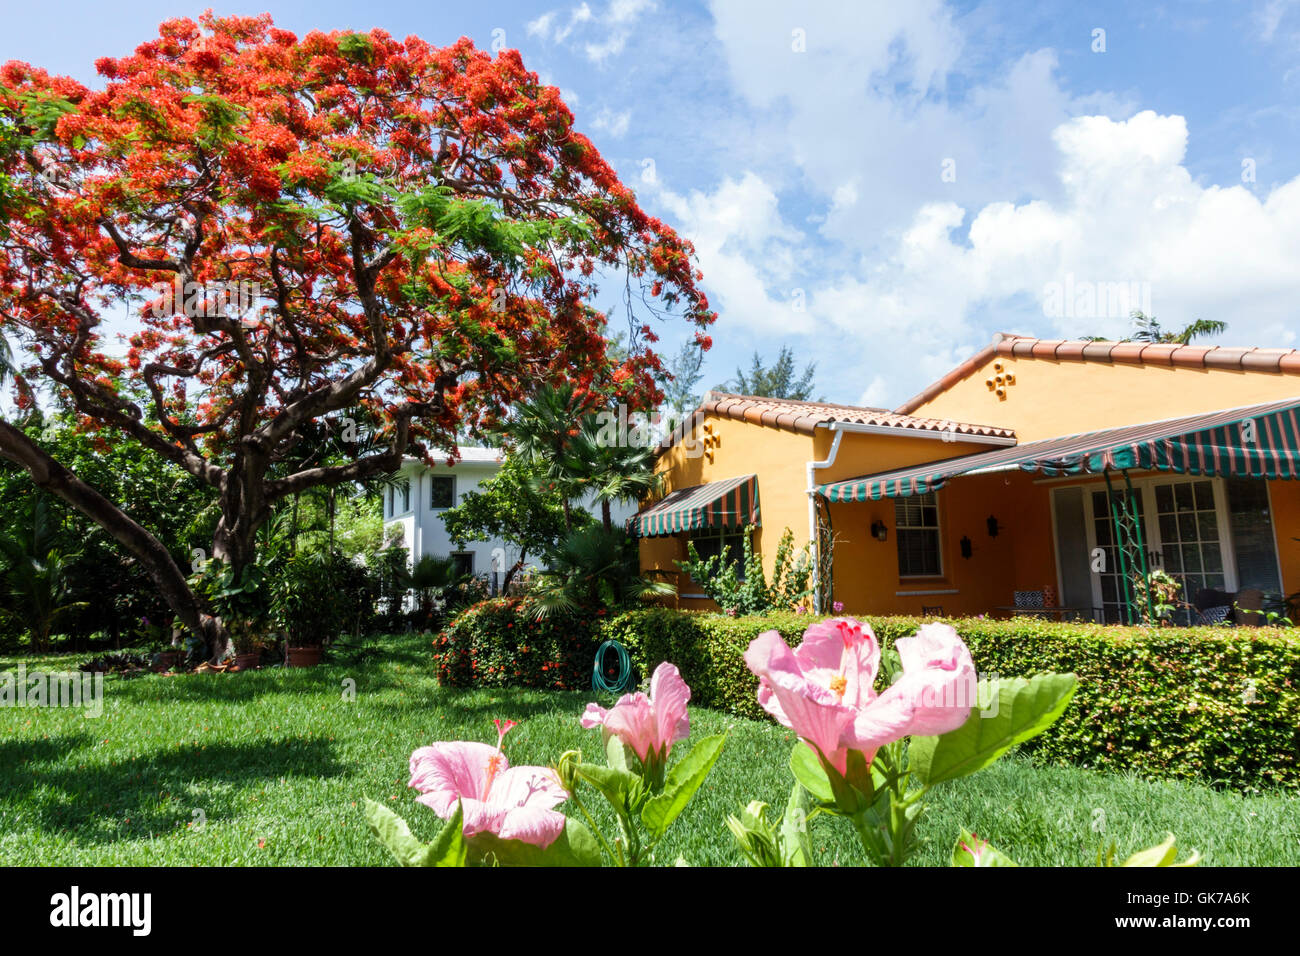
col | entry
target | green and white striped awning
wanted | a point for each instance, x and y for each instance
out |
(732, 503)
(1256, 441)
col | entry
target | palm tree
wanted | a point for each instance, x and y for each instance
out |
(609, 471)
(592, 568)
(35, 590)
(430, 577)
(1147, 329)
(541, 432)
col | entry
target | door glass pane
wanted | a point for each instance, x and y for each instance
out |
(1253, 536)
(1190, 539)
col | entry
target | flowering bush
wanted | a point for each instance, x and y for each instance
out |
(499, 644)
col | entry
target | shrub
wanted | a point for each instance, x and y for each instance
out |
(500, 643)
(719, 577)
(1212, 704)
(1206, 703)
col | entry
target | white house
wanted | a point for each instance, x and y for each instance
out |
(424, 492)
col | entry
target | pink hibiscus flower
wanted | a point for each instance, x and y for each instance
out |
(650, 725)
(515, 803)
(823, 690)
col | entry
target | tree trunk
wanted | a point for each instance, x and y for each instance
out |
(605, 516)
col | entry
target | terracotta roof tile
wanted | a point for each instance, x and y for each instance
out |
(806, 417)
(1276, 361)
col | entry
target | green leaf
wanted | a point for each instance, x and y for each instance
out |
(1162, 855)
(621, 757)
(1025, 708)
(574, 847)
(447, 850)
(796, 836)
(620, 788)
(808, 770)
(685, 777)
(971, 851)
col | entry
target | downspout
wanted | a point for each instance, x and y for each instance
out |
(813, 467)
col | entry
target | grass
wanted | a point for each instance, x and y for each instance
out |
(271, 767)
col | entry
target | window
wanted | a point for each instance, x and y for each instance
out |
(388, 503)
(443, 494)
(714, 541)
(917, 523)
(404, 489)
(463, 562)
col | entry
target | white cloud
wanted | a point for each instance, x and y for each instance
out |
(617, 20)
(748, 253)
(615, 124)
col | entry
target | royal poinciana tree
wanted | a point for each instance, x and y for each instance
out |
(292, 230)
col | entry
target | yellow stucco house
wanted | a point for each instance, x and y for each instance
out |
(1036, 471)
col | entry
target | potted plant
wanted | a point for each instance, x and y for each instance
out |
(315, 595)
(248, 643)
(162, 655)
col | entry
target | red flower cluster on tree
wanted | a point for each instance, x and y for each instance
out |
(342, 223)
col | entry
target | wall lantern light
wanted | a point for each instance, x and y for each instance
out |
(879, 531)
(965, 547)
(993, 526)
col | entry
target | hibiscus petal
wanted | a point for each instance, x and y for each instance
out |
(526, 787)
(814, 715)
(632, 721)
(668, 696)
(478, 816)
(457, 767)
(593, 716)
(531, 825)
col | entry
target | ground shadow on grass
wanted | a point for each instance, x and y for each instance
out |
(158, 793)
(486, 704)
(16, 756)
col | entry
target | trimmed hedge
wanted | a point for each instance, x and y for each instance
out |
(1212, 704)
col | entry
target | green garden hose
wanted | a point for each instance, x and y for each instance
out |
(613, 679)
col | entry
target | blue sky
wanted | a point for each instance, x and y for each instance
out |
(882, 186)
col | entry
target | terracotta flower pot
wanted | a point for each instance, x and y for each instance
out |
(248, 662)
(302, 656)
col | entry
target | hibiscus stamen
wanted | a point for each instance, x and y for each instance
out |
(839, 684)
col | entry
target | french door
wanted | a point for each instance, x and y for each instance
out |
(1185, 525)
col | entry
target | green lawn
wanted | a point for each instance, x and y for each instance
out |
(277, 763)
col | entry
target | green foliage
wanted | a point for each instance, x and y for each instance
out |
(518, 505)
(594, 568)
(1212, 704)
(1156, 603)
(392, 831)
(112, 591)
(1008, 713)
(720, 579)
(36, 590)
(317, 596)
(500, 643)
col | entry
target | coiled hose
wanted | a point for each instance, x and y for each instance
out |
(612, 680)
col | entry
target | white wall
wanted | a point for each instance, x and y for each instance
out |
(422, 527)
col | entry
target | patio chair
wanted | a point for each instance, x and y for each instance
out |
(1249, 600)
(1215, 615)
(1030, 599)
